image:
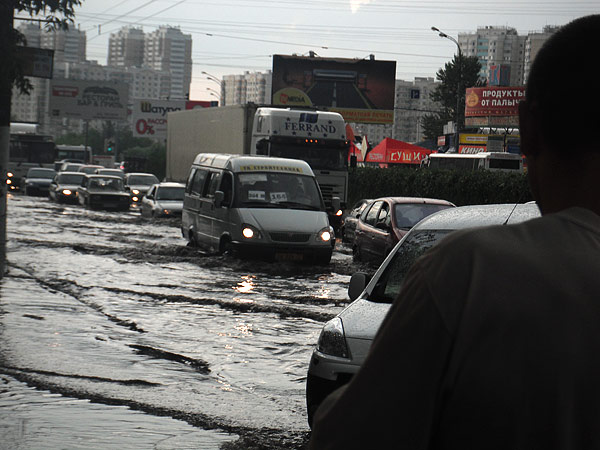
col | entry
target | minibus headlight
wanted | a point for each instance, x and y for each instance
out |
(135, 191)
(339, 212)
(10, 174)
(250, 232)
(325, 235)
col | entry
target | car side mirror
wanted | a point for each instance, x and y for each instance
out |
(358, 283)
(219, 197)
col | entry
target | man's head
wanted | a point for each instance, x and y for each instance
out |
(559, 118)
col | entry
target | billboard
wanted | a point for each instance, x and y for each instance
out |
(149, 117)
(359, 89)
(37, 62)
(493, 101)
(105, 100)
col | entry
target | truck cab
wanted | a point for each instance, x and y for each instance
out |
(317, 137)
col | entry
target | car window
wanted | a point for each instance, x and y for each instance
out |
(213, 182)
(408, 215)
(198, 182)
(389, 284)
(170, 193)
(384, 214)
(371, 216)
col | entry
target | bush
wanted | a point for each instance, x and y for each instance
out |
(459, 187)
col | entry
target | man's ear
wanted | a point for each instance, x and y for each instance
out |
(529, 129)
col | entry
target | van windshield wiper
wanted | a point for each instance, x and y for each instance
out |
(259, 204)
(298, 205)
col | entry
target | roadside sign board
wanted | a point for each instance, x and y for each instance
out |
(104, 100)
(149, 117)
(37, 62)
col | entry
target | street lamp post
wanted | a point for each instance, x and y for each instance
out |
(458, 94)
(214, 93)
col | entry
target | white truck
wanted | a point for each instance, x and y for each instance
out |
(317, 137)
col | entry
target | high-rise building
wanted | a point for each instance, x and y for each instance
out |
(533, 43)
(168, 49)
(495, 47)
(68, 45)
(501, 50)
(126, 48)
(251, 87)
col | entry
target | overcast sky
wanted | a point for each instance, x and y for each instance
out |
(232, 36)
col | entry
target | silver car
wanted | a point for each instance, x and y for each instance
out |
(345, 340)
(163, 199)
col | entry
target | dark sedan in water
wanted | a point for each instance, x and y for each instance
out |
(103, 192)
(63, 188)
(37, 181)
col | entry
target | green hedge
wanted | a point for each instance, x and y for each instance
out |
(459, 187)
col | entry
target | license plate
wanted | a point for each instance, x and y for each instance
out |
(289, 256)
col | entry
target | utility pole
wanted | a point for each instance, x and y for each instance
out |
(6, 81)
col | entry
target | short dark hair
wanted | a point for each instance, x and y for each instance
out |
(564, 84)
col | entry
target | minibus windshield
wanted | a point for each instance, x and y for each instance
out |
(277, 190)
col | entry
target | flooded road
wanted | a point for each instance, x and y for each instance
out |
(191, 350)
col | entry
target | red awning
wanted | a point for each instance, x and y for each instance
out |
(397, 152)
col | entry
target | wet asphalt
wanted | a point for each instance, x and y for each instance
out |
(115, 334)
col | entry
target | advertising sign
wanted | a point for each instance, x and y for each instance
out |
(37, 62)
(149, 117)
(471, 149)
(104, 100)
(473, 139)
(359, 89)
(493, 101)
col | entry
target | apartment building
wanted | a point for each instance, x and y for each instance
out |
(126, 48)
(167, 49)
(250, 87)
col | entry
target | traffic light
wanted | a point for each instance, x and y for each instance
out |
(110, 146)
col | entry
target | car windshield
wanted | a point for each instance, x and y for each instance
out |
(41, 173)
(407, 215)
(389, 284)
(277, 190)
(89, 169)
(106, 184)
(170, 193)
(70, 178)
(143, 180)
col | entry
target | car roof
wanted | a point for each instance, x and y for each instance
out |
(434, 201)
(71, 173)
(479, 216)
(139, 173)
(99, 175)
(170, 184)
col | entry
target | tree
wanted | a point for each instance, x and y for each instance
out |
(446, 93)
(57, 14)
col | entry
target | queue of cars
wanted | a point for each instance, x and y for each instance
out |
(95, 186)
(345, 340)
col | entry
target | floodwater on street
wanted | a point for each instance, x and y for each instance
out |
(115, 334)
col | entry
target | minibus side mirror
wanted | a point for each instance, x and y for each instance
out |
(219, 196)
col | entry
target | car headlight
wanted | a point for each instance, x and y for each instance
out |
(339, 212)
(135, 191)
(332, 340)
(67, 192)
(10, 174)
(135, 199)
(325, 234)
(250, 232)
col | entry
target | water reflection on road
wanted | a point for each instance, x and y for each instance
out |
(111, 308)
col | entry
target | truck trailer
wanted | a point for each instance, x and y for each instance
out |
(317, 137)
